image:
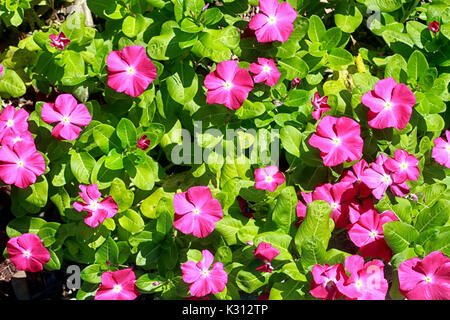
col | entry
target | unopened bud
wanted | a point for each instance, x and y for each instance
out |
(295, 82)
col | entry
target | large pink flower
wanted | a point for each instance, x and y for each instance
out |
(325, 281)
(27, 252)
(21, 164)
(427, 279)
(366, 281)
(390, 104)
(338, 197)
(441, 151)
(320, 105)
(69, 114)
(268, 178)
(274, 22)
(378, 178)
(117, 285)
(404, 166)
(228, 85)
(265, 252)
(196, 211)
(265, 70)
(97, 210)
(204, 281)
(354, 176)
(302, 206)
(13, 121)
(11, 138)
(367, 233)
(130, 70)
(339, 140)
(59, 41)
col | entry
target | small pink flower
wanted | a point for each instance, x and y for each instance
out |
(27, 252)
(265, 252)
(204, 281)
(366, 281)
(97, 210)
(320, 105)
(143, 143)
(404, 166)
(367, 233)
(302, 206)
(325, 281)
(130, 70)
(295, 82)
(441, 151)
(13, 121)
(59, 41)
(390, 104)
(354, 176)
(11, 138)
(21, 164)
(228, 85)
(338, 197)
(274, 22)
(339, 140)
(69, 114)
(378, 178)
(196, 211)
(434, 27)
(265, 70)
(427, 279)
(268, 178)
(117, 285)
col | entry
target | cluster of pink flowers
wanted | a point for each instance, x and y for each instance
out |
(20, 162)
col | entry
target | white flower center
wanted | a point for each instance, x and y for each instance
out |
(228, 85)
(388, 105)
(266, 68)
(205, 273)
(334, 205)
(117, 288)
(17, 139)
(65, 120)
(337, 141)
(373, 234)
(358, 284)
(386, 179)
(448, 147)
(20, 163)
(404, 166)
(94, 205)
(196, 211)
(131, 71)
(428, 279)
(27, 253)
(10, 123)
(269, 179)
(272, 20)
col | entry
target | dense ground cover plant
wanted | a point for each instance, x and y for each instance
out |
(109, 170)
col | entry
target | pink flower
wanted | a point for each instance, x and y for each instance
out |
(338, 197)
(11, 138)
(228, 85)
(117, 285)
(265, 252)
(302, 206)
(265, 70)
(274, 22)
(59, 41)
(434, 27)
(69, 114)
(295, 82)
(320, 105)
(97, 211)
(404, 166)
(1, 70)
(378, 179)
(196, 211)
(204, 281)
(264, 295)
(354, 176)
(12, 121)
(441, 151)
(356, 209)
(390, 104)
(325, 281)
(339, 140)
(143, 143)
(367, 233)
(268, 178)
(21, 164)
(130, 70)
(427, 279)
(366, 281)
(27, 252)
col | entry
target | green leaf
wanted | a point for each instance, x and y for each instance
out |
(126, 131)
(316, 30)
(417, 65)
(288, 290)
(250, 281)
(121, 195)
(81, 165)
(11, 85)
(313, 252)
(250, 110)
(291, 138)
(74, 72)
(182, 84)
(32, 198)
(294, 67)
(284, 214)
(440, 243)
(132, 26)
(105, 139)
(399, 235)
(432, 217)
(164, 212)
(339, 57)
(92, 274)
(26, 224)
(347, 17)
(108, 251)
(144, 174)
(228, 228)
(131, 221)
